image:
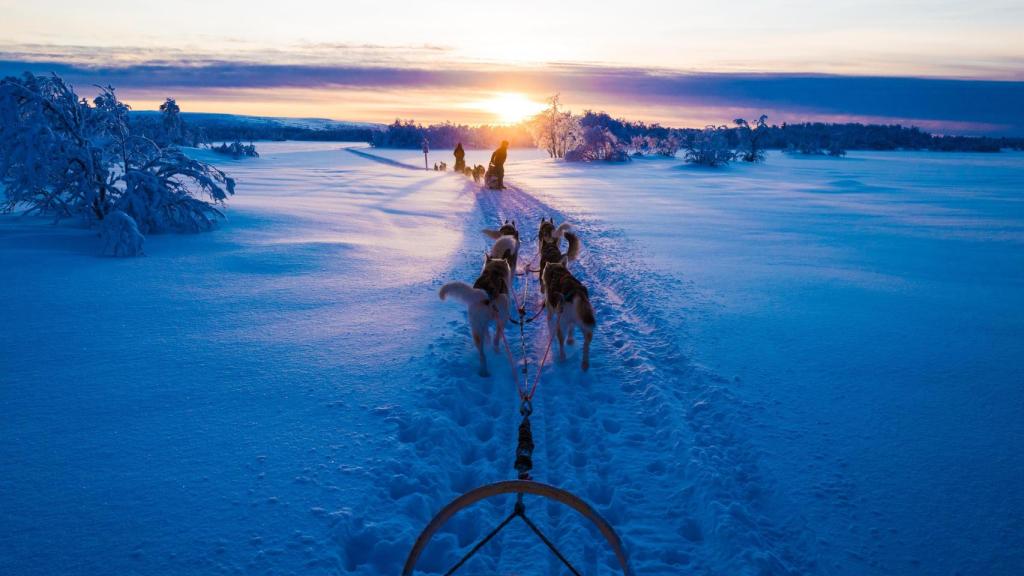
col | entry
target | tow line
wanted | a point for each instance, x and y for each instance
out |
(523, 465)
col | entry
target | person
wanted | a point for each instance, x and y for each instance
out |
(460, 158)
(495, 177)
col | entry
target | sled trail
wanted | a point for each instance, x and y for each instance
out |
(652, 442)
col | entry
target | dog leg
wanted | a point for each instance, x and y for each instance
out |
(561, 341)
(499, 331)
(588, 335)
(571, 337)
(478, 340)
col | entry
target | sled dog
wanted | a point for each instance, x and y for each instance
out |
(508, 229)
(549, 239)
(486, 300)
(567, 303)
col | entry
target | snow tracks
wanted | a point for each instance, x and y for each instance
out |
(653, 442)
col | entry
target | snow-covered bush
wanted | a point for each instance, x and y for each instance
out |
(236, 150)
(709, 147)
(751, 139)
(555, 131)
(168, 191)
(640, 145)
(598, 144)
(667, 146)
(63, 156)
(121, 236)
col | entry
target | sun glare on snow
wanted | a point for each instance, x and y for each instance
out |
(511, 107)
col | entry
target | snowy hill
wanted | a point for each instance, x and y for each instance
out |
(204, 118)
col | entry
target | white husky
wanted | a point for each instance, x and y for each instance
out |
(510, 252)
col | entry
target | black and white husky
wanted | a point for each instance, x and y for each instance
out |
(488, 298)
(568, 306)
(549, 240)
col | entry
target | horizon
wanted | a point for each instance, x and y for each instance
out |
(957, 70)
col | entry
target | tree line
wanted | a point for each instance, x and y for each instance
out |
(597, 136)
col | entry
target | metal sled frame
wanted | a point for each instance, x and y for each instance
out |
(518, 487)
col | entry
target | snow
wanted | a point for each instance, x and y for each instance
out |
(807, 366)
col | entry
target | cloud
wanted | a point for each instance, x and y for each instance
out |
(672, 97)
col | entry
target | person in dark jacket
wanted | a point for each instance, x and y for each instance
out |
(460, 158)
(495, 177)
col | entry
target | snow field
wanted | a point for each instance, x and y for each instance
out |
(810, 366)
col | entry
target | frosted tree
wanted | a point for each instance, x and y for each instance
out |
(62, 156)
(667, 146)
(54, 155)
(709, 147)
(599, 143)
(171, 122)
(751, 139)
(556, 131)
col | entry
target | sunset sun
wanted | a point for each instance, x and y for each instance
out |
(511, 107)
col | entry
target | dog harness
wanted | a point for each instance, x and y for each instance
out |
(492, 281)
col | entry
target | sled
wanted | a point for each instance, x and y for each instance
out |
(520, 488)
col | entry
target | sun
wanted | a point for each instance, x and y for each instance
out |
(511, 107)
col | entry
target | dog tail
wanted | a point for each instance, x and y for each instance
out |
(574, 246)
(463, 293)
(563, 228)
(491, 233)
(505, 247)
(585, 310)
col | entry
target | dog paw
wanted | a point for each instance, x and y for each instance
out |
(484, 373)
(570, 341)
(585, 365)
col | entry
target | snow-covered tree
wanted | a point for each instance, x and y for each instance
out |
(598, 144)
(170, 120)
(64, 156)
(556, 131)
(751, 139)
(709, 147)
(667, 146)
(53, 152)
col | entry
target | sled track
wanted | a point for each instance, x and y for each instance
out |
(382, 160)
(654, 443)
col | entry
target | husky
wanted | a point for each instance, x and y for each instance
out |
(478, 173)
(549, 239)
(508, 229)
(567, 303)
(486, 300)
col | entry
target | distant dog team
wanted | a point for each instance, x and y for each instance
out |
(567, 301)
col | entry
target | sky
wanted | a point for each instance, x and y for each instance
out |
(948, 66)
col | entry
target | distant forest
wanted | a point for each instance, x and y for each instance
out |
(197, 129)
(808, 137)
(632, 137)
